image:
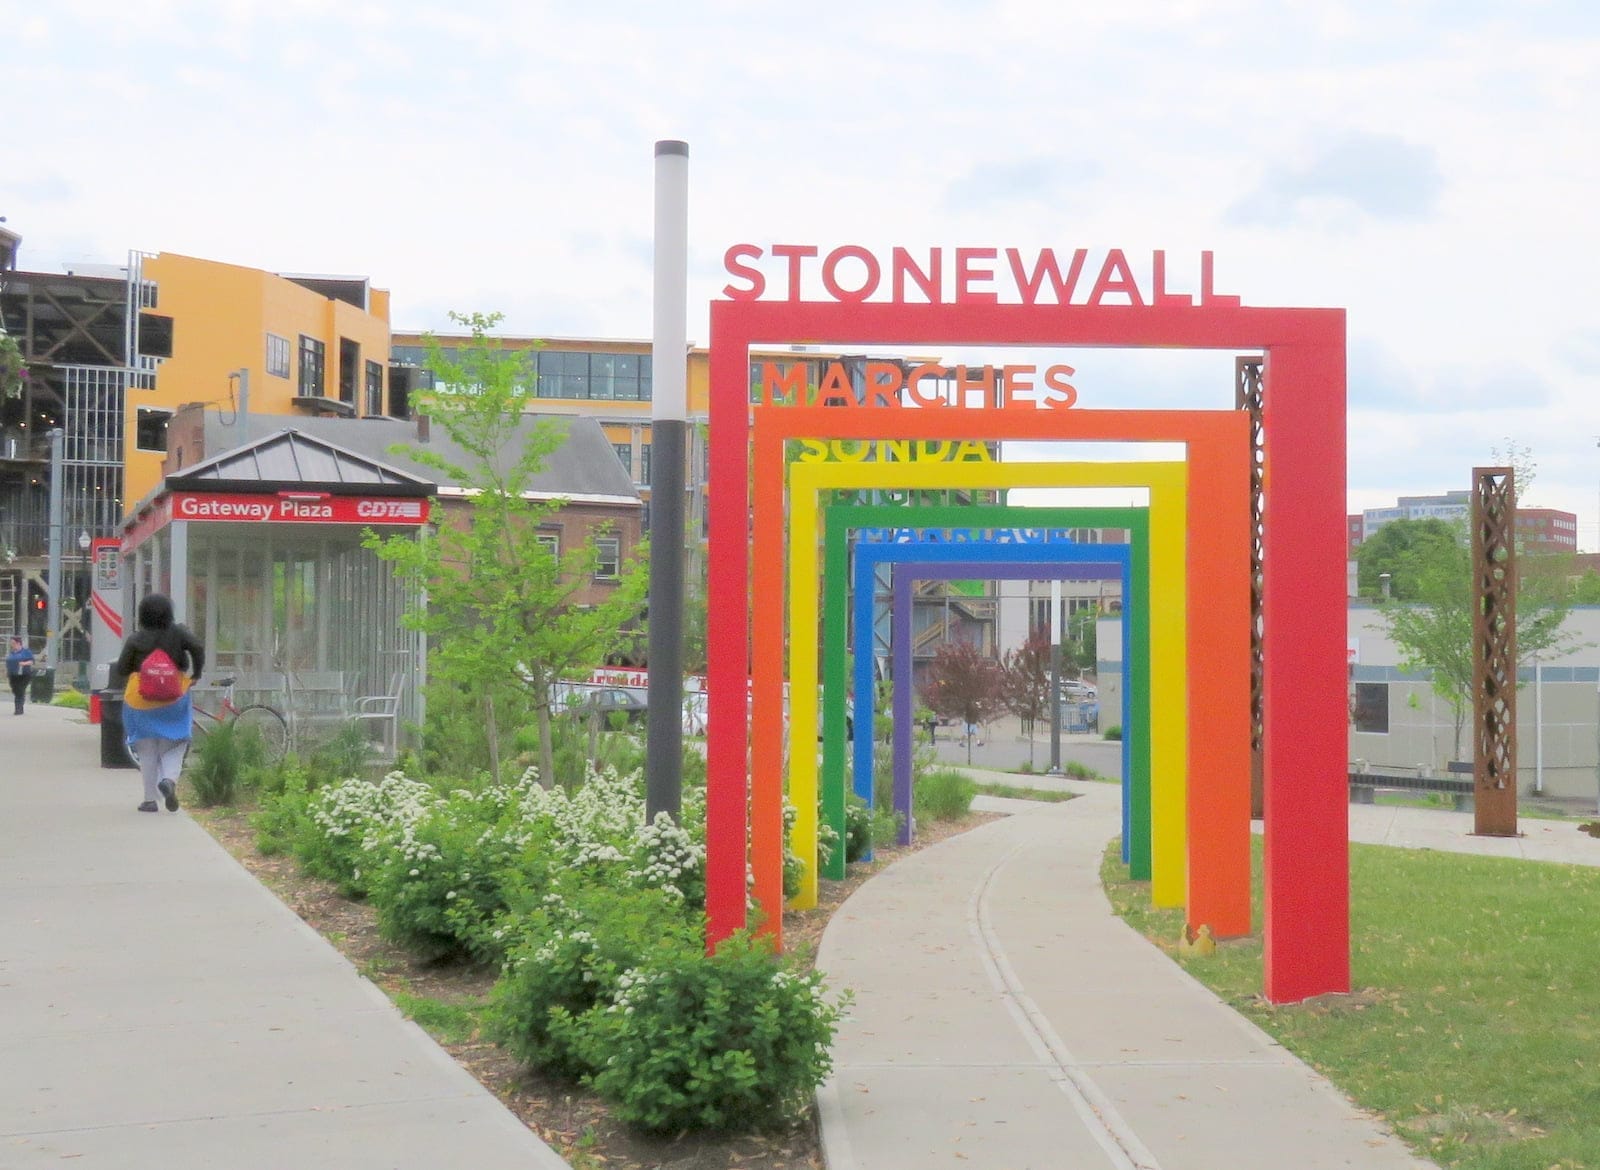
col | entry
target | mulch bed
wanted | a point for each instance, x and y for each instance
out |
(571, 1120)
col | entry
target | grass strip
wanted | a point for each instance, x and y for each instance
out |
(1014, 792)
(1474, 1027)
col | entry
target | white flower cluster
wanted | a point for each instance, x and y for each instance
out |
(632, 985)
(668, 853)
(369, 811)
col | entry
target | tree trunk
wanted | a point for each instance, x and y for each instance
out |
(547, 753)
(494, 736)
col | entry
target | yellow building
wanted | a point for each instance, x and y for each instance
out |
(609, 380)
(292, 345)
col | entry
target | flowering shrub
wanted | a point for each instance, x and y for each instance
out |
(345, 838)
(732, 1040)
(597, 919)
(442, 880)
(573, 948)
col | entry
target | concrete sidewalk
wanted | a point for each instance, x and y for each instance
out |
(1005, 1019)
(159, 1008)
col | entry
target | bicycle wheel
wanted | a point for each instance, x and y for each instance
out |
(270, 726)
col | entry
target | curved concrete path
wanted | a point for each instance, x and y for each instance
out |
(1004, 1018)
(159, 1008)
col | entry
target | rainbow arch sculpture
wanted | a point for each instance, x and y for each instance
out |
(840, 517)
(1306, 872)
(1215, 889)
(989, 562)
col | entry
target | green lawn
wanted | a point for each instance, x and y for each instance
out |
(1475, 1022)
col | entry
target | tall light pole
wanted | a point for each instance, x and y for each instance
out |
(52, 613)
(669, 414)
(1055, 678)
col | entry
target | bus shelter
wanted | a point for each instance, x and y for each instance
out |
(261, 550)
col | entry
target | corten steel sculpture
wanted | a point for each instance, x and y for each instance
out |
(1247, 397)
(1306, 877)
(1494, 651)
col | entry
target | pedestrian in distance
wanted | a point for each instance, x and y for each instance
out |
(159, 662)
(19, 671)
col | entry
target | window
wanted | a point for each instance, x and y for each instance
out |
(608, 557)
(313, 361)
(550, 542)
(604, 376)
(374, 388)
(625, 453)
(150, 430)
(349, 366)
(562, 375)
(1370, 708)
(277, 356)
(644, 463)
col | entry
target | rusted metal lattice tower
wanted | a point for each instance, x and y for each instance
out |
(1247, 397)
(1494, 651)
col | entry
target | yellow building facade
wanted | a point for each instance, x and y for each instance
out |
(294, 344)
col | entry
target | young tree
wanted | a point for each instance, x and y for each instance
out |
(500, 615)
(1025, 682)
(1433, 629)
(963, 683)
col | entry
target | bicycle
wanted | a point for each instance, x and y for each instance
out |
(265, 721)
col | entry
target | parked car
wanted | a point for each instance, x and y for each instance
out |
(607, 701)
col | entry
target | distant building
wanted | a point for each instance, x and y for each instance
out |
(1539, 530)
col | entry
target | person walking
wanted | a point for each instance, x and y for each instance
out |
(19, 671)
(159, 662)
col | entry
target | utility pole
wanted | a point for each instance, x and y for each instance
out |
(663, 767)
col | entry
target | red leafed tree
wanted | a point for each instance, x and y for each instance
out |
(1025, 682)
(963, 683)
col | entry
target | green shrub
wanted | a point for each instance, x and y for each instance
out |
(285, 810)
(866, 828)
(72, 699)
(857, 828)
(1114, 731)
(732, 1040)
(441, 883)
(944, 795)
(220, 761)
(571, 948)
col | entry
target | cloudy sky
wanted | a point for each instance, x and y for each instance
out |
(1433, 166)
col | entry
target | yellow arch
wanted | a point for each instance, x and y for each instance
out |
(1168, 486)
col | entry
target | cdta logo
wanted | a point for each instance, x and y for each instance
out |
(389, 509)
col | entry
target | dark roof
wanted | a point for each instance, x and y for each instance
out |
(290, 456)
(584, 466)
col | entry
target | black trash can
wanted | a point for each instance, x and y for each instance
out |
(114, 751)
(43, 688)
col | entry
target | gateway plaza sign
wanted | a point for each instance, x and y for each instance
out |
(297, 508)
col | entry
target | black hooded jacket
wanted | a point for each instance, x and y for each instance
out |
(156, 628)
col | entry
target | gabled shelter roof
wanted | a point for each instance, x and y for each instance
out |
(292, 457)
(584, 468)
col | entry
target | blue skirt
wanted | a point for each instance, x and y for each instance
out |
(173, 721)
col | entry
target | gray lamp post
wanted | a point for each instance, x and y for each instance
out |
(52, 613)
(669, 413)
